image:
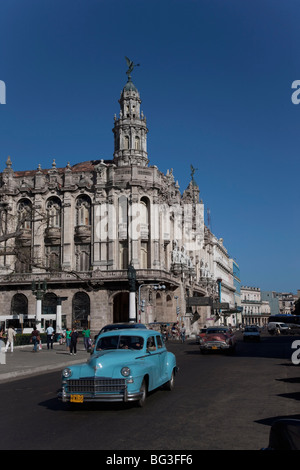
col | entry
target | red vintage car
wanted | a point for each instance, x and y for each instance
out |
(218, 338)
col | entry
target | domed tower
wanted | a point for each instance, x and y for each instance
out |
(130, 130)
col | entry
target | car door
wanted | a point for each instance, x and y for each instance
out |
(153, 362)
(162, 359)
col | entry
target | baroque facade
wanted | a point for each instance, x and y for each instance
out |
(68, 237)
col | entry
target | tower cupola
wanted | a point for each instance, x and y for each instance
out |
(130, 130)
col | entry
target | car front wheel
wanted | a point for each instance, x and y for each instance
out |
(143, 390)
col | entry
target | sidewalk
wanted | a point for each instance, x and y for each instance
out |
(23, 362)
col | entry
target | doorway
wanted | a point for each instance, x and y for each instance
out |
(121, 307)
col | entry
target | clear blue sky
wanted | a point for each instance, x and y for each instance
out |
(215, 82)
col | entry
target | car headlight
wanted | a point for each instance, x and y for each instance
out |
(125, 371)
(66, 373)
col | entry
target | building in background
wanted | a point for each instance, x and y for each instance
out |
(255, 310)
(286, 301)
(272, 298)
(107, 240)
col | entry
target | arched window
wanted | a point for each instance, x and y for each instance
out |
(25, 214)
(83, 211)
(80, 310)
(19, 305)
(137, 143)
(53, 257)
(144, 210)
(169, 301)
(53, 208)
(126, 142)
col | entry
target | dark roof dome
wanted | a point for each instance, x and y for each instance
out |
(130, 86)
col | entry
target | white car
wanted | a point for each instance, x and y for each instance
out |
(251, 333)
(278, 328)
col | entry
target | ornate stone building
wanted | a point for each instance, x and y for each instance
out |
(75, 231)
(255, 310)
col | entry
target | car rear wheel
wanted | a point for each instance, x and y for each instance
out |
(143, 390)
(171, 383)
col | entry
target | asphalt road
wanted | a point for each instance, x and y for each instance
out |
(219, 402)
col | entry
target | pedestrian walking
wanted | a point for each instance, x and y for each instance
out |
(68, 337)
(50, 335)
(35, 338)
(73, 343)
(10, 339)
(86, 337)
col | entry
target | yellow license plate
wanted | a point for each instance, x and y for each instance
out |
(214, 347)
(76, 398)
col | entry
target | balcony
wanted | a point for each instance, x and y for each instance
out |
(53, 235)
(83, 233)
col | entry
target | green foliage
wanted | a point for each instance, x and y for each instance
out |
(22, 340)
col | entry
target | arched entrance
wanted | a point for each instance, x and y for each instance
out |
(81, 310)
(121, 307)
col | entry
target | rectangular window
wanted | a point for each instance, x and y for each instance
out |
(123, 255)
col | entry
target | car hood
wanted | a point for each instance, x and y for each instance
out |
(105, 363)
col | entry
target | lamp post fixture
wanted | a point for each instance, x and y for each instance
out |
(156, 287)
(38, 291)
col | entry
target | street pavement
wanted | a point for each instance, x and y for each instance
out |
(23, 362)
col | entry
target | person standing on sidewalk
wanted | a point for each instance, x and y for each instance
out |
(35, 338)
(73, 343)
(68, 337)
(50, 333)
(86, 335)
(182, 333)
(10, 339)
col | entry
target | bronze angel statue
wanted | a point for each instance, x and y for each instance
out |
(131, 66)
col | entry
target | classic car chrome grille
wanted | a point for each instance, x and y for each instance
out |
(96, 385)
(215, 343)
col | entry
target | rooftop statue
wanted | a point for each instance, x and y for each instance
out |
(193, 170)
(131, 66)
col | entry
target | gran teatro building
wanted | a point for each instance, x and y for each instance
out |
(103, 241)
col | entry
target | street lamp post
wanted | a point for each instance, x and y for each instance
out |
(156, 287)
(38, 291)
(131, 274)
(177, 307)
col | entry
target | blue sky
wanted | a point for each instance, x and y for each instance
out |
(215, 83)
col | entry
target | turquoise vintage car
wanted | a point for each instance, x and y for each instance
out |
(124, 366)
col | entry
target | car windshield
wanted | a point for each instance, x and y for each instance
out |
(216, 330)
(120, 342)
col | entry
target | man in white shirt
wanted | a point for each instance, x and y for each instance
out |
(50, 334)
(10, 339)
